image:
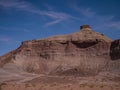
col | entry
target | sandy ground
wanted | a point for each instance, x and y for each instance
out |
(13, 78)
(58, 86)
(63, 83)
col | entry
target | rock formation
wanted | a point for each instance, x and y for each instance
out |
(82, 53)
(115, 50)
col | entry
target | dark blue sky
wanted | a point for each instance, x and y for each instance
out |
(22, 20)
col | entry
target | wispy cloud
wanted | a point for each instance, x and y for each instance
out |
(52, 23)
(101, 21)
(8, 40)
(4, 38)
(87, 12)
(29, 32)
(57, 17)
(26, 6)
(17, 4)
(113, 24)
(26, 30)
(49, 7)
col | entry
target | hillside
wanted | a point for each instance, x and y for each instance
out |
(85, 53)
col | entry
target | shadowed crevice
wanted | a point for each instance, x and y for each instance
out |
(84, 44)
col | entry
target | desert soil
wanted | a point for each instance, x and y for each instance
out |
(63, 83)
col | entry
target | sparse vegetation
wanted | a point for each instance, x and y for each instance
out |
(69, 85)
(83, 85)
(33, 84)
(54, 84)
(1, 84)
(117, 85)
(27, 85)
(102, 85)
(111, 87)
(91, 85)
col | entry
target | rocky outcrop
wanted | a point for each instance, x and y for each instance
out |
(115, 50)
(82, 53)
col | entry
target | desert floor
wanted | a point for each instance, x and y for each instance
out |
(63, 83)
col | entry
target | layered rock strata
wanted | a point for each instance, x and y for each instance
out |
(82, 53)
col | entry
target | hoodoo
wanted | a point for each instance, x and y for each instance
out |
(85, 27)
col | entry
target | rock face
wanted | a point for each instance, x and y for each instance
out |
(82, 53)
(115, 50)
